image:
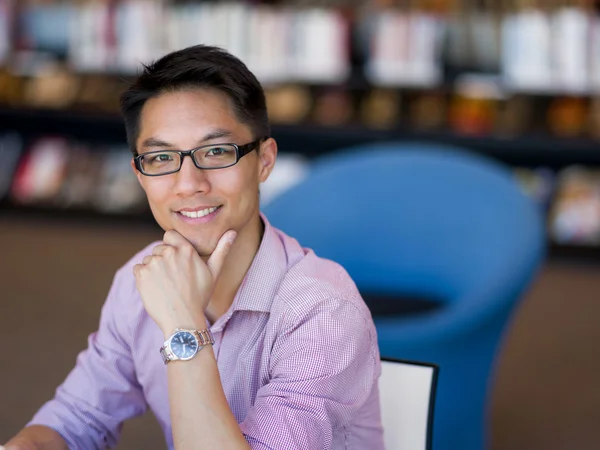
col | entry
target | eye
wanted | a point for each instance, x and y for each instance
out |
(161, 157)
(217, 151)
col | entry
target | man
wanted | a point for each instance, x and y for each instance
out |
(263, 344)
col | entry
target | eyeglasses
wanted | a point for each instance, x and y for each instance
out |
(208, 157)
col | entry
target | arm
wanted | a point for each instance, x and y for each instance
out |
(100, 392)
(324, 369)
(325, 363)
(175, 285)
(37, 437)
(199, 410)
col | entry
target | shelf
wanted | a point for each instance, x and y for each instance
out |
(308, 140)
(568, 253)
(75, 216)
(83, 124)
(528, 150)
(575, 253)
(314, 140)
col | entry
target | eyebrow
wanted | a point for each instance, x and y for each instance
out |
(153, 142)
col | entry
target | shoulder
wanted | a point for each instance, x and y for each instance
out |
(315, 286)
(319, 316)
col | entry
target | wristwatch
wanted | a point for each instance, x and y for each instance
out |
(183, 345)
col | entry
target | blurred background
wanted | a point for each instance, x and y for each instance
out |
(515, 80)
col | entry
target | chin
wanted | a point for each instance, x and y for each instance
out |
(204, 247)
(203, 252)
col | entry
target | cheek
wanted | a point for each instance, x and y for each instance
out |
(240, 186)
(157, 191)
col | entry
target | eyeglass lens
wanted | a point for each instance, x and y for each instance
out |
(212, 157)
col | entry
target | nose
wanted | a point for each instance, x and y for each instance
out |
(190, 179)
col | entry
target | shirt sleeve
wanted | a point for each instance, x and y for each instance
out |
(323, 368)
(102, 390)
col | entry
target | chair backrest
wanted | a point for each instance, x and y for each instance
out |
(416, 218)
(421, 220)
(407, 392)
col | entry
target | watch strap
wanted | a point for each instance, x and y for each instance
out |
(163, 353)
(204, 338)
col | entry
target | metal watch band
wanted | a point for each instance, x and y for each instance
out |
(163, 353)
(204, 337)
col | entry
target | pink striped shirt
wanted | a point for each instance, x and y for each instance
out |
(297, 354)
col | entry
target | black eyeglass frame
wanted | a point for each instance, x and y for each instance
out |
(240, 151)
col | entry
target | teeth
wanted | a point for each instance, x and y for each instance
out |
(196, 214)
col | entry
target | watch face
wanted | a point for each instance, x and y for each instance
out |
(184, 345)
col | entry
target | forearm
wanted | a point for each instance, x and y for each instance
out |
(37, 437)
(200, 414)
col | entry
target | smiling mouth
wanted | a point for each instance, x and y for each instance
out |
(200, 213)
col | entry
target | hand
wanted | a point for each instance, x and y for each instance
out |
(176, 284)
(35, 437)
(18, 446)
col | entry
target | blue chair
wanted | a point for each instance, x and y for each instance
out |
(433, 223)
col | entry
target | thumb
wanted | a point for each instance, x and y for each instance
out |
(216, 260)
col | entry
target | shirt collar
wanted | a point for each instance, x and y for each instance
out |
(261, 283)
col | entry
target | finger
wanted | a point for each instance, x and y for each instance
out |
(147, 259)
(217, 259)
(136, 269)
(160, 249)
(174, 239)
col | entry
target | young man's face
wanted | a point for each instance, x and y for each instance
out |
(186, 119)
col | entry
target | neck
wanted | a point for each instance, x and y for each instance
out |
(234, 269)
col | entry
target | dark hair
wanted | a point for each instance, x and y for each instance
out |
(202, 67)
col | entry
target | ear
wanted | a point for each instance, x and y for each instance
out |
(267, 154)
(137, 173)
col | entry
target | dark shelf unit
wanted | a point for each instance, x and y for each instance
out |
(311, 141)
(314, 140)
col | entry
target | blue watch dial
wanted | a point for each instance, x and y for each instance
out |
(184, 345)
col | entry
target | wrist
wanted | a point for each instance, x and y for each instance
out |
(199, 323)
(184, 344)
(35, 437)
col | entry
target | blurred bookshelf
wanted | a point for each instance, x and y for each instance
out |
(518, 81)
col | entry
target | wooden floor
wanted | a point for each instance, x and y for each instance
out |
(54, 277)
